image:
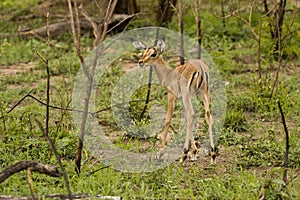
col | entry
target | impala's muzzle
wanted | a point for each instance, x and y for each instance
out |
(141, 64)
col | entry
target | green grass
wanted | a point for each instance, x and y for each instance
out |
(174, 182)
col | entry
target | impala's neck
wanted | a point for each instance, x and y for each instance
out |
(162, 70)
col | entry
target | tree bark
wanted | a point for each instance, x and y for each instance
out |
(29, 164)
(180, 27)
(198, 25)
(276, 26)
(128, 7)
(165, 11)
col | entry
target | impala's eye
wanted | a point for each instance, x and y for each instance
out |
(153, 55)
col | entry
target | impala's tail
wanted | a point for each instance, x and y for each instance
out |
(197, 79)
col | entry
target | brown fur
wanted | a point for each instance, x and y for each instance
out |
(183, 81)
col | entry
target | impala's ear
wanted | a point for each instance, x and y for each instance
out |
(139, 45)
(161, 45)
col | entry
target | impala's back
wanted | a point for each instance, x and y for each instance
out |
(196, 74)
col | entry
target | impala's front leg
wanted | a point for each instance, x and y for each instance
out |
(171, 104)
(189, 145)
(164, 134)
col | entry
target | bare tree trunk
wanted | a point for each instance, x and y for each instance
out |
(128, 7)
(223, 13)
(198, 24)
(276, 27)
(165, 11)
(180, 27)
(106, 9)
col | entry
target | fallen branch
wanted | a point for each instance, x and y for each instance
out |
(29, 164)
(59, 28)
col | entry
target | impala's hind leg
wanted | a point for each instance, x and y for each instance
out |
(194, 150)
(189, 138)
(206, 102)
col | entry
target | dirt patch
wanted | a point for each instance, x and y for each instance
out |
(128, 65)
(28, 69)
(16, 69)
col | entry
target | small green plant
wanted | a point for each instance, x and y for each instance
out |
(236, 120)
(273, 189)
(264, 152)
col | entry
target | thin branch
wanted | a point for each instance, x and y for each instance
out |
(149, 82)
(41, 57)
(101, 168)
(30, 182)
(228, 15)
(39, 101)
(92, 22)
(75, 40)
(267, 11)
(120, 22)
(98, 6)
(250, 12)
(111, 7)
(63, 108)
(46, 131)
(60, 122)
(148, 95)
(236, 14)
(2, 116)
(72, 23)
(47, 82)
(37, 36)
(287, 146)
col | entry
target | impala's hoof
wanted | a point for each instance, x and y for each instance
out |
(193, 157)
(183, 157)
(159, 154)
(168, 137)
(213, 161)
(213, 155)
(194, 151)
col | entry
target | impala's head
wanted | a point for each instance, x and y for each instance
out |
(150, 54)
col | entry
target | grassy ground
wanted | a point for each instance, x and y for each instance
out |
(251, 146)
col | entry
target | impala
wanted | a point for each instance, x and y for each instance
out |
(181, 82)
